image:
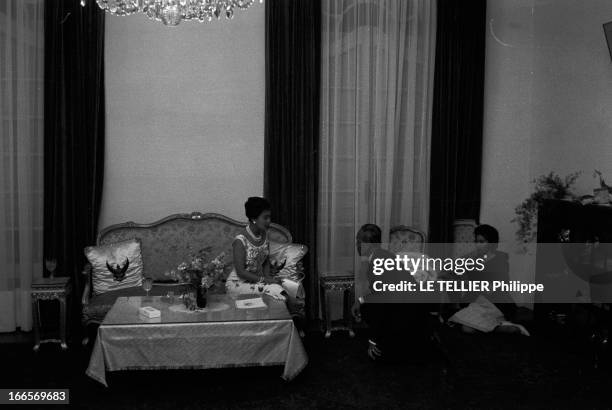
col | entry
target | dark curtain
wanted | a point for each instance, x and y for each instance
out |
(74, 134)
(456, 141)
(293, 43)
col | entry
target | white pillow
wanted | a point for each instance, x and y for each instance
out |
(289, 254)
(115, 266)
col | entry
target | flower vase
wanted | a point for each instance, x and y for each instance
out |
(201, 296)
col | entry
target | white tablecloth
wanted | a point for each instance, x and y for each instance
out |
(197, 345)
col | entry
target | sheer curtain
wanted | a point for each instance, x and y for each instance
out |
(21, 150)
(377, 87)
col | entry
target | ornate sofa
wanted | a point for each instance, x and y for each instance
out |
(165, 244)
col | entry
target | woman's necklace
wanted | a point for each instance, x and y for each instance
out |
(257, 238)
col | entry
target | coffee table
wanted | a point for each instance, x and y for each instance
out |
(220, 336)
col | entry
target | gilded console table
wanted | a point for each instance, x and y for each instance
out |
(50, 289)
(337, 282)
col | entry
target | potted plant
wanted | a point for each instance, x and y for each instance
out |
(601, 194)
(549, 186)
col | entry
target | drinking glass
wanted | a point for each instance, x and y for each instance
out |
(51, 265)
(147, 285)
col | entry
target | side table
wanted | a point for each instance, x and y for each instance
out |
(337, 282)
(50, 289)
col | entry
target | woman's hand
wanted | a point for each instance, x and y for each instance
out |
(270, 280)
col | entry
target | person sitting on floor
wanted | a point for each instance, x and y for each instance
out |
(399, 327)
(488, 311)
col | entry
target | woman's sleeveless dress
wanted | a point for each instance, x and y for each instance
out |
(254, 259)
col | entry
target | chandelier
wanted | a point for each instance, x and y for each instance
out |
(172, 12)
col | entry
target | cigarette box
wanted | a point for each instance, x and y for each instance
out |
(149, 312)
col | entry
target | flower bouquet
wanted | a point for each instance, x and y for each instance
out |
(199, 272)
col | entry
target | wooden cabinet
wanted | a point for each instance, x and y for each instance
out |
(574, 256)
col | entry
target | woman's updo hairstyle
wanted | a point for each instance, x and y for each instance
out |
(254, 206)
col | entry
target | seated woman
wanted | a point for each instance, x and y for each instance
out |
(488, 311)
(251, 273)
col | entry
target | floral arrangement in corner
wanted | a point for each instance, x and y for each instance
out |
(549, 186)
(200, 270)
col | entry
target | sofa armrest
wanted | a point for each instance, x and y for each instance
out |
(87, 289)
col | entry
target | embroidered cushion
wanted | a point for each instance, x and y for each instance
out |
(287, 256)
(115, 266)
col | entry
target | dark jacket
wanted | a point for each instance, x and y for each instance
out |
(393, 276)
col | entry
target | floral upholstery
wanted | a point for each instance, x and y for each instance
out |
(165, 244)
(463, 236)
(405, 239)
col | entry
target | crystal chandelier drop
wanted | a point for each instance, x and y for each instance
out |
(172, 12)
